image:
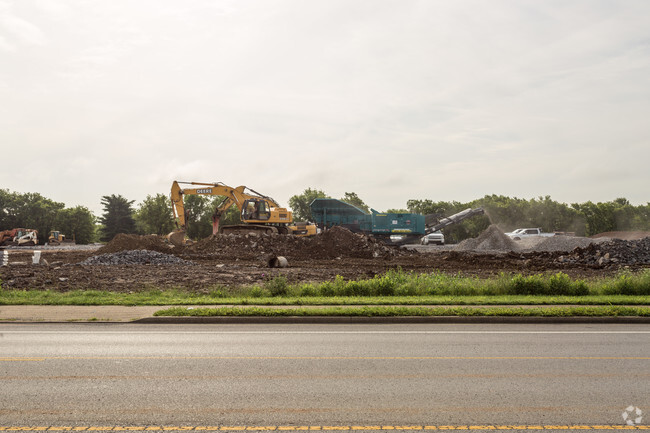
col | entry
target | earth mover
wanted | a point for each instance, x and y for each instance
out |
(259, 213)
(19, 237)
(57, 238)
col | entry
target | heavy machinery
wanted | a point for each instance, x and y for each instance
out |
(57, 238)
(453, 219)
(259, 213)
(396, 228)
(19, 237)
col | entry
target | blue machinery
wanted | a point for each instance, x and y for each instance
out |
(329, 212)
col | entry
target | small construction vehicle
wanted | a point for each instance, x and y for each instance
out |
(303, 228)
(259, 213)
(19, 237)
(57, 238)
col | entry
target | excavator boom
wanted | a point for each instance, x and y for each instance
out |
(258, 212)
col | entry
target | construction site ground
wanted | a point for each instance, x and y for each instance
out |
(131, 263)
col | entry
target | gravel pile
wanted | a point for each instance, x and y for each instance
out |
(614, 252)
(135, 257)
(492, 239)
(555, 243)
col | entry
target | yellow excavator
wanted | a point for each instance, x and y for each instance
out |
(259, 213)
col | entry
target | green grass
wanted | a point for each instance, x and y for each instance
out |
(591, 311)
(395, 287)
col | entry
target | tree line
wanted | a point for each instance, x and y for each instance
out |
(154, 215)
(509, 213)
(583, 219)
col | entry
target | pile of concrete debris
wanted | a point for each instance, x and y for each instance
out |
(615, 252)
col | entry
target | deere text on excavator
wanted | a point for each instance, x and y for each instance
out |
(259, 213)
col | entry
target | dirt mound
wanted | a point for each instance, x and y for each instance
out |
(341, 242)
(124, 242)
(492, 239)
(626, 236)
(333, 243)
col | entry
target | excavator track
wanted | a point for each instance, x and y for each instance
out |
(243, 229)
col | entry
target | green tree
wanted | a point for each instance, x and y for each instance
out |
(199, 211)
(197, 226)
(29, 210)
(8, 204)
(599, 217)
(232, 216)
(353, 199)
(154, 215)
(117, 217)
(77, 223)
(299, 204)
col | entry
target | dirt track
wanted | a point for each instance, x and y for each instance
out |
(243, 260)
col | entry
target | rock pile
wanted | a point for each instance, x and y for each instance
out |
(615, 252)
(492, 239)
(135, 257)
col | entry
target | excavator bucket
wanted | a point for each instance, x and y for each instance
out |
(177, 238)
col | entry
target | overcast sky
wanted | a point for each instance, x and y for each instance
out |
(393, 100)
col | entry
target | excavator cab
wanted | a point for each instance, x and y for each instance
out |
(258, 210)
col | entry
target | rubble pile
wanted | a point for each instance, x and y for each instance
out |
(135, 257)
(124, 242)
(492, 239)
(333, 243)
(615, 252)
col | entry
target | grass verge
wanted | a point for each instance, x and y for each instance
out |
(591, 311)
(395, 287)
(179, 297)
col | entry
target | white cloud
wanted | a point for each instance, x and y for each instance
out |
(16, 31)
(392, 100)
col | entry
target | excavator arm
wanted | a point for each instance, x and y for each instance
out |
(233, 196)
(255, 208)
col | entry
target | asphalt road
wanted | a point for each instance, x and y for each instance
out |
(322, 375)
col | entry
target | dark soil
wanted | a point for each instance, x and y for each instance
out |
(235, 260)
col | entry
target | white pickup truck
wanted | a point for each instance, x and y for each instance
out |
(520, 234)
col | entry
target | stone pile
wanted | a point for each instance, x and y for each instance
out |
(491, 240)
(615, 252)
(556, 243)
(135, 257)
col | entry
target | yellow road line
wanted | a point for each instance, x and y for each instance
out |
(326, 428)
